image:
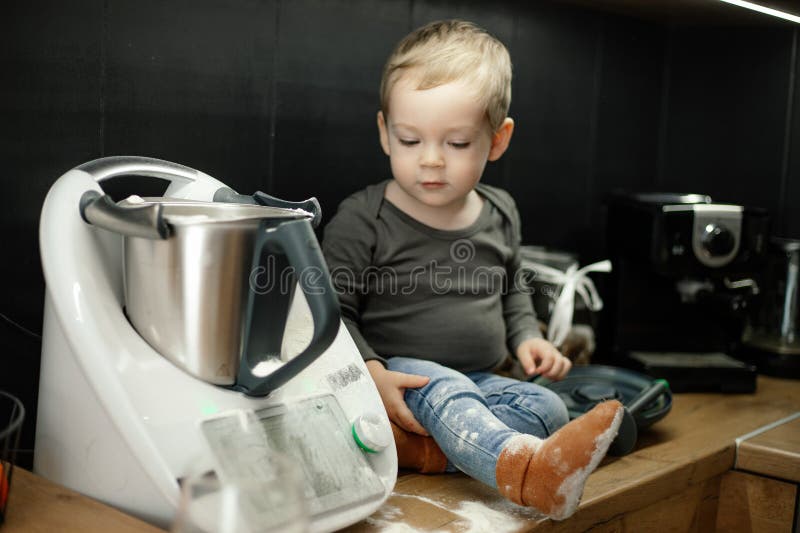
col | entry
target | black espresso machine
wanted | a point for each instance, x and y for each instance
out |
(684, 273)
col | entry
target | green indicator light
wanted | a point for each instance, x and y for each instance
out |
(209, 409)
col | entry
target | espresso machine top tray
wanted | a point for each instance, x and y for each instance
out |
(702, 372)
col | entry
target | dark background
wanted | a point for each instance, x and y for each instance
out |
(281, 96)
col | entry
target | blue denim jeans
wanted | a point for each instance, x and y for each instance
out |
(471, 416)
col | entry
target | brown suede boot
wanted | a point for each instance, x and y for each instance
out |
(419, 453)
(549, 475)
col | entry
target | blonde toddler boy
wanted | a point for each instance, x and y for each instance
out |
(426, 266)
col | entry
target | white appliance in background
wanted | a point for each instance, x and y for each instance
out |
(120, 422)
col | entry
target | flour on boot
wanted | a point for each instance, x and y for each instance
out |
(549, 475)
(419, 453)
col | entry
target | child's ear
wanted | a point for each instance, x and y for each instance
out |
(384, 134)
(500, 139)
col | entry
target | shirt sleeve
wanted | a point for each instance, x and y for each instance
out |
(348, 245)
(518, 310)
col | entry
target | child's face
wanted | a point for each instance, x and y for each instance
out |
(438, 141)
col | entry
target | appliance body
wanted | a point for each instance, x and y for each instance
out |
(121, 423)
(684, 273)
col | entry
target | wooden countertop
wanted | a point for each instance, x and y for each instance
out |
(693, 444)
(774, 452)
(36, 505)
(674, 460)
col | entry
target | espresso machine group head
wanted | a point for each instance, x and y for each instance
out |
(684, 272)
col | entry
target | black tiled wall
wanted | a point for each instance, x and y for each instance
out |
(725, 118)
(281, 96)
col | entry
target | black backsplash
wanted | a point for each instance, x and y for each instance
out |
(726, 116)
(281, 96)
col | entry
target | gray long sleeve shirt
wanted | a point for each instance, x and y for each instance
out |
(407, 289)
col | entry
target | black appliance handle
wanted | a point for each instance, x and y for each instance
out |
(310, 205)
(296, 241)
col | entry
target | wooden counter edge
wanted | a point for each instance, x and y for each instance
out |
(38, 505)
(648, 490)
(772, 451)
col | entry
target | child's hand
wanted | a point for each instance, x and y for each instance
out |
(538, 356)
(391, 386)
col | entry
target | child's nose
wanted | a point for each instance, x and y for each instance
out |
(432, 156)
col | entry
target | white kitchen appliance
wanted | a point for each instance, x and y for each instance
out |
(122, 423)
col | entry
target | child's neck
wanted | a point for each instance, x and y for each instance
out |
(453, 216)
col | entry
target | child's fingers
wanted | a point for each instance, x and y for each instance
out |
(411, 381)
(556, 368)
(560, 368)
(548, 357)
(527, 362)
(405, 419)
(567, 367)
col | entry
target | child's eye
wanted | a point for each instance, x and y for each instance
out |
(409, 142)
(459, 145)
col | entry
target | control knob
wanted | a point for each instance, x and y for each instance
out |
(717, 240)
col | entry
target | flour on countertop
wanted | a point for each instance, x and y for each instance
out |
(485, 519)
(472, 517)
(392, 527)
(389, 512)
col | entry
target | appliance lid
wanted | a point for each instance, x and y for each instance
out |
(662, 198)
(179, 212)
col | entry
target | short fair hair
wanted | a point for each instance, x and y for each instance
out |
(450, 50)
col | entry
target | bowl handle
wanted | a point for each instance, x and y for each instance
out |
(310, 206)
(266, 313)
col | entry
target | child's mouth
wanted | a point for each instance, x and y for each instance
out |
(433, 184)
